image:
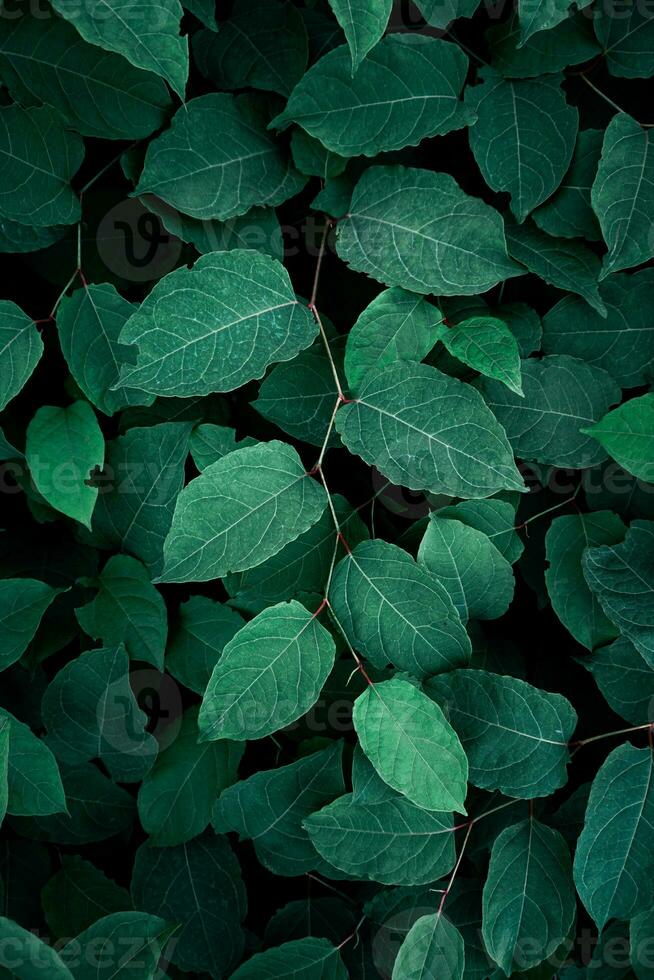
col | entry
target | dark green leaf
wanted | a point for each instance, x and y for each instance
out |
(614, 871)
(217, 160)
(147, 34)
(395, 611)
(562, 397)
(301, 959)
(537, 129)
(91, 713)
(515, 735)
(469, 566)
(412, 745)
(197, 640)
(529, 900)
(96, 93)
(427, 431)
(622, 343)
(269, 674)
(177, 795)
(242, 510)
(263, 44)
(269, 808)
(621, 577)
(63, 447)
(39, 158)
(78, 895)
(396, 326)
(572, 600)
(197, 885)
(385, 234)
(419, 78)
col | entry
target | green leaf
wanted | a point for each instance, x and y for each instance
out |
(621, 577)
(210, 443)
(78, 895)
(625, 34)
(419, 78)
(258, 229)
(395, 611)
(569, 43)
(130, 944)
(427, 431)
(24, 955)
(515, 735)
(467, 564)
(177, 795)
(300, 396)
(487, 345)
(217, 160)
(622, 343)
(5, 733)
(391, 841)
(269, 674)
(204, 11)
(433, 947)
(89, 322)
(197, 639)
(523, 137)
(63, 447)
(439, 13)
(613, 867)
(15, 237)
(91, 713)
(300, 566)
(39, 158)
(270, 806)
(572, 600)
(197, 885)
(412, 745)
(495, 518)
(313, 159)
(622, 194)
(97, 808)
(241, 510)
(459, 249)
(568, 212)
(23, 601)
(529, 899)
(7, 450)
(324, 918)
(627, 434)
(562, 396)
(300, 959)
(147, 34)
(396, 326)
(263, 44)
(568, 265)
(363, 23)
(543, 15)
(33, 777)
(96, 93)
(20, 350)
(216, 326)
(127, 609)
(625, 680)
(145, 470)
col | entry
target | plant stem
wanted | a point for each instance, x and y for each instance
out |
(599, 92)
(549, 510)
(620, 731)
(448, 887)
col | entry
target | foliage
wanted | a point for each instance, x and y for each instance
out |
(327, 448)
